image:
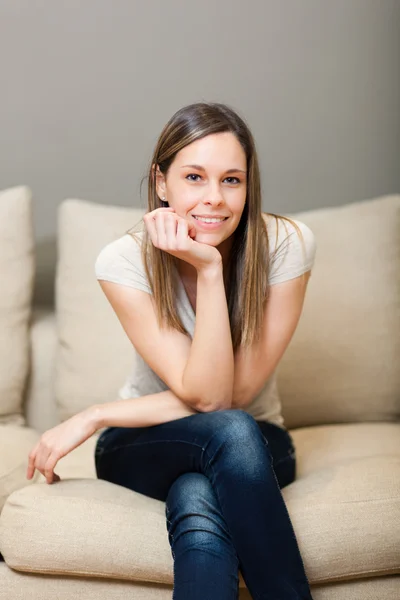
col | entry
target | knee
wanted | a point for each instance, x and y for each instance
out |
(239, 427)
(239, 440)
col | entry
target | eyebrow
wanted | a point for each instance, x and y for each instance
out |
(200, 168)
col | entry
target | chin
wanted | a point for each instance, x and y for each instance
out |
(207, 239)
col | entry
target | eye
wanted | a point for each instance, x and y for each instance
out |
(196, 175)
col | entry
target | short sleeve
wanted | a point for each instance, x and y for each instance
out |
(121, 262)
(291, 255)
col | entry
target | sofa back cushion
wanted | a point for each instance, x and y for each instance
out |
(342, 362)
(94, 355)
(17, 270)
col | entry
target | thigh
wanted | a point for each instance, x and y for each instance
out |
(149, 459)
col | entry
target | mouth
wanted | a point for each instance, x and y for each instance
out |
(207, 226)
(219, 218)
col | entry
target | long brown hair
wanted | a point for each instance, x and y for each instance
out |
(248, 289)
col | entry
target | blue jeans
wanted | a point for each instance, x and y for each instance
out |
(219, 474)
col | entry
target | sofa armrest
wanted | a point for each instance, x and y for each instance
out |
(39, 405)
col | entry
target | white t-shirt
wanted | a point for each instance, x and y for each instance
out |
(120, 261)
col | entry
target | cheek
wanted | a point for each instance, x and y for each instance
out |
(186, 197)
(240, 205)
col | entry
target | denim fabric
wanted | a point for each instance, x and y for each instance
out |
(220, 474)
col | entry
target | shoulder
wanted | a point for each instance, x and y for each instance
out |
(120, 261)
(292, 247)
(116, 252)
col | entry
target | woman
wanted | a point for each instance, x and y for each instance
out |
(210, 302)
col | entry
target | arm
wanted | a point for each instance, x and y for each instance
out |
(282, 314)
(209, 370)
(145, 411)
(167, 352)
(252, 370)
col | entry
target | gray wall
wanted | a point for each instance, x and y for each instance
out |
(88, 86)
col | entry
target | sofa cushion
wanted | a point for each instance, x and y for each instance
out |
(40, 409)
(343, 361)
(94, 355)
(17, 585)
(15, 444)
(345, 515)
(327, 445)
(17, 266)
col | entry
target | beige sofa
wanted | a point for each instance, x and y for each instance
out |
(340, 388)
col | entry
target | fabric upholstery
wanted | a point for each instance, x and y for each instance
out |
(342, 364)
(15, 444)
(93, 528)
(14, 585)
(17, 267)
(341, 405)
(335, 369)
(94, 355)
(40, 408)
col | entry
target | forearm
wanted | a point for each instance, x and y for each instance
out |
(144, 411)
(243, 359)
(209, 370)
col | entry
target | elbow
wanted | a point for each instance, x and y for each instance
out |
(205, 404)
(212, 405)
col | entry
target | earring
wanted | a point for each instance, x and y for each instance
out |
(164, 203)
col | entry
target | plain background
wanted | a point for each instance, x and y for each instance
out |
(88, 86)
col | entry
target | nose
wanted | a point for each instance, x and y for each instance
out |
(214, 195)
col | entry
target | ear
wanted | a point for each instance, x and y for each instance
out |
(160, 181)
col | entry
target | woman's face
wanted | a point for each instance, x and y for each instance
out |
(215, 187)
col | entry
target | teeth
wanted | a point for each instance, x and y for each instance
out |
(209, 220)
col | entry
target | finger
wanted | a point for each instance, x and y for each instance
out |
(182, 232)
(170, 223)
(150, 219)
(31, 462)
(192, 229)
(42, 456)
(151, 228)
(49, 466)
(160, 228)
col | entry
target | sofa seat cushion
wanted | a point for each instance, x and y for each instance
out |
(327, 445)
(345, 514)
(16, 585)
(15, 444)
